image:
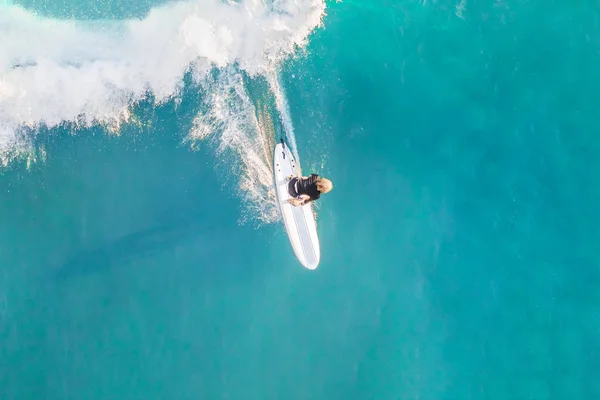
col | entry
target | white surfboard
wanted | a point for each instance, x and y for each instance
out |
(299, 221)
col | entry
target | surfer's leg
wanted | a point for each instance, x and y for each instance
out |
(292, 187)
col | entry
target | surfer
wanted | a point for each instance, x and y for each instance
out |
(306, 189)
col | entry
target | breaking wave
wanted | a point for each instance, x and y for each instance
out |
(85, 73)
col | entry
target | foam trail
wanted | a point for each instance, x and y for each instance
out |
(284, 112)
(54, 71)
(232, 122)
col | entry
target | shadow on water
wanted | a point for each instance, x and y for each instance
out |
(137, 245)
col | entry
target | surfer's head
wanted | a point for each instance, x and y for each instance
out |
(324, 185)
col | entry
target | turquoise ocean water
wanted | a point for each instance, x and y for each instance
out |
(141, 254)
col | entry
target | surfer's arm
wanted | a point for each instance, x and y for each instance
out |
(300, 200)
(303, 198)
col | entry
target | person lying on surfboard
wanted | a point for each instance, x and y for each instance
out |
(306, 189)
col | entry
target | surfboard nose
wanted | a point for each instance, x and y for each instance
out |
(312, 265)
(308, 258)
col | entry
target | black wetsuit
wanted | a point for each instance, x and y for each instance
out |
(308, 186)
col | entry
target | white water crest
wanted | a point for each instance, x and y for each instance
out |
(52, 71)
(62, 71)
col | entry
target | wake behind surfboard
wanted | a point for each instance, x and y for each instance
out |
(299, 221)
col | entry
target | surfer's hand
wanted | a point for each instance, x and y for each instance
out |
(300, 200)
(296, 202)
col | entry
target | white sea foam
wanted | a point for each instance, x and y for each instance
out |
(56, 71)
(284, 111)
(53, 71)
(232, 121)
